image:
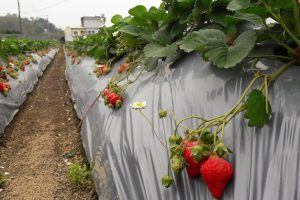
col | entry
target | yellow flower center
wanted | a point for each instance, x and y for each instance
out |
(139, 104)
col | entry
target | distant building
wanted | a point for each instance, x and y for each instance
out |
(89, 25)
(73, 32)
(92, 24)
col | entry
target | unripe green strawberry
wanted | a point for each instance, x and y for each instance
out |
(162, 113)
(167, 181)
(175, 139)
(178, 163)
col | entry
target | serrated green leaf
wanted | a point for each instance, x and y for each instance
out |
(257, 9)
(225, 56)
(150, 64)
(116, 19)
(282, 4)
(218, 16)
(160, 51)
(256, 109)
(157, 15)
(185, 3)
(198, 40)
(250, 17)
(235, 5)
(137, 11)
(206, 3)
(131, 30)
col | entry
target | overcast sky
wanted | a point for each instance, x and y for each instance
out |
(68, 12)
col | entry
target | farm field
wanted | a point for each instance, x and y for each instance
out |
(190, 99)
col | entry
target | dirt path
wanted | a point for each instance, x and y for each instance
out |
(33, 146)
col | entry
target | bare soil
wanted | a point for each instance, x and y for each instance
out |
(32, 148)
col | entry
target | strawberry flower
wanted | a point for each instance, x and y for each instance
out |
(138, 105)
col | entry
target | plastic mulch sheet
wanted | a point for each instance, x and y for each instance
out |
(129, 161)
(9, 106)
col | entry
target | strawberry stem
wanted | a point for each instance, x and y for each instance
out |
(154, 132)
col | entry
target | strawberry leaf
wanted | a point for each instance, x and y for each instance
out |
(131, 30)
(225, 56)
(150, 64)
(235, 5)
(197, 40)
(116, 19)
(160, 51)
(213, 43)
(279, 4)
(250, 17)
(256, 109)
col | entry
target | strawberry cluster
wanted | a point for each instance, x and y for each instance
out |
(112, 97)
(3, 73)
(201, 157)
(5, 88)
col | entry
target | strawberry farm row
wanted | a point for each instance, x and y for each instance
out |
(193, 73)
(130, 161)
(22, 62)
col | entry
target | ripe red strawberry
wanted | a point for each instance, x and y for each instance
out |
(10, 69)
(111, 96)
(1, 68)
(4, 76)
(4, 88)
(107, 92)
(115, 100)
(104, 69)
(26, 62)
(193, 168)
(123, 68)
(216, 173)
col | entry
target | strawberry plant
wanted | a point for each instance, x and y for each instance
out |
(15, 56)
(228, 34)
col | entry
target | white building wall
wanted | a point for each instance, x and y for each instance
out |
(92, 23)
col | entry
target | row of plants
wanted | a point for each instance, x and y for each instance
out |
(16, 56)
(227, 34)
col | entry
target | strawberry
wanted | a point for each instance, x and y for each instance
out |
(106, 92)
(4, 76)
(193, 168)
(4, 88)
(123, 68)
(115, 100)
(216, 173)
(22, 67)
(1, 68)
(26, 62)
(104, 69)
